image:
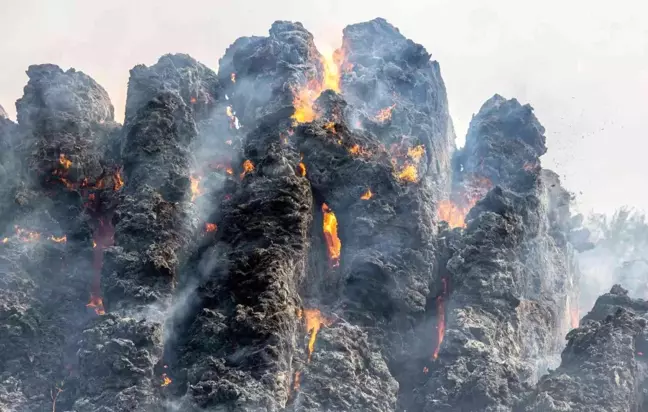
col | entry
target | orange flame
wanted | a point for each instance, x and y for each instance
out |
(302, 169)
(195, 187)
(118, 182)
(333, 243)
(304, 98)
(385, 114)
(165, 380)
(96, 302)
(210, 227)
(233, 77)
(314, 320)
(64, 161)
(367, 195)
(440, 318)
(61, 239)
(330, 126)
(248, 166)
(455, 213)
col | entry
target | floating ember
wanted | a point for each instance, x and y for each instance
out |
(314, 320)
(210, 227)
(248, 167)
(334, 246)
(233, 77)
(367, 195)
(425, 369)
(192, 100)
(165, 380)
(385, 114)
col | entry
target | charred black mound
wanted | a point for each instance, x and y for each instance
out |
(295, 232)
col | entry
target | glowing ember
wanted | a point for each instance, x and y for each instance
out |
(118, 182)
(385, 114)
(27, 235)
(210, 227)
(233, 77)
(367, 195)
(304, 98)
(195, 187)
(425, 369)
(165, 380)
(248, 166)
(333, 243)
(61, 239)
(192, 100)
(330, 126)
(94, 244)
(302, 169)
(440, 318)
(64, 161)
(314, 320)
(96, 302)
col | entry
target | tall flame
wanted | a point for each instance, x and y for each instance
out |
(314, 320)
(333, 243)
(302, 169)
(118, 182)
(96, 302)
(304, 97)
(440, 318)
(453, 214)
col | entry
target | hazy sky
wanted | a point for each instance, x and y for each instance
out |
(582, 64)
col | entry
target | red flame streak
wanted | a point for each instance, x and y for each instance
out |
(102, 238)
(440, 318)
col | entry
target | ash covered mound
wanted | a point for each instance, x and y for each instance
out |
(295, 232)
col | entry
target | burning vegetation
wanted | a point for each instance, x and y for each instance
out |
(314, 321)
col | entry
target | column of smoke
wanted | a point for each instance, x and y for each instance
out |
(620, 256)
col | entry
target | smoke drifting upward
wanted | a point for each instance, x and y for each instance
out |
(297, 232)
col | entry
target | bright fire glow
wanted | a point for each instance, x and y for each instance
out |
(165, 380)
(408, 174)
(302, 169)
(118, 182)
(314, 320)
(210, 227)
(333, 244)
(304, 97)
(248, 167)
(408, 169)
(367, 195)
(454, 212)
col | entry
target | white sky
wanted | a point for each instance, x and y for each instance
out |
(582, 64)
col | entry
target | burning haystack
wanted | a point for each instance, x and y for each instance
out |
(295, 232)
